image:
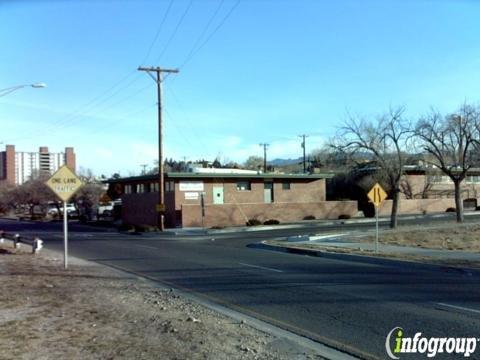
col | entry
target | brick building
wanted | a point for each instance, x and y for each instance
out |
(424, 190)
(229, 199)
(17, 167)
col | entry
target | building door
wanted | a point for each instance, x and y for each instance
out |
(268, 192)
(218, 194)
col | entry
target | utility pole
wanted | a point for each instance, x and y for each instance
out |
(303, 136)
(144, 167)
(158, 79)
(265, 146)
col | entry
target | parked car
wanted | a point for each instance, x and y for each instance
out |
(53, 210)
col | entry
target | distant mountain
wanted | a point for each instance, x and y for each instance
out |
(284, 162)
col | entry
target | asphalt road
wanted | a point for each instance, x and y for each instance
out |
(349, 305)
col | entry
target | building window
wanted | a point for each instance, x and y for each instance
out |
(128, 189)
(440, 179)
(244, 186)
(169, 186)
(474, 179)
(286, 185)
(140, 188)
(154, 187)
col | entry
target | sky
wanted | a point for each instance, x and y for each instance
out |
(250, 72)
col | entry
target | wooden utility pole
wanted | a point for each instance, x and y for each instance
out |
(161, 198)
(303, 136)
(265, 146)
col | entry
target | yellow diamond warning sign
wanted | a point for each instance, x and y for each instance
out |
(377, 195)
(64, 183)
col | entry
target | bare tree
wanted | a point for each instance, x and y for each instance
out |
(385, 141)
(451, 141)
(253, 163)
(32, 193)
(87, 198)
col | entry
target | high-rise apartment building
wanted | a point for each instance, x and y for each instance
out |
(17, 167)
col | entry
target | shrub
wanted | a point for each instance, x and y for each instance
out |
(145, 228)
(450, 209)
(271, 222)
(344, 217)
(309, 217)
(253, 222)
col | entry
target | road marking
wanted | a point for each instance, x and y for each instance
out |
(261, 267)
(147, 247)
(459, 308)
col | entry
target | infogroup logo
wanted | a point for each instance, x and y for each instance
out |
(397, 343)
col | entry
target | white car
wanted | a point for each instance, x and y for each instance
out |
(53, 209)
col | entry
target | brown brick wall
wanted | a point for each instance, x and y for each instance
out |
(139, 209)
(10, 164)
(420, 186)
(417, 206)
(313, 191)
(306, 191)
(230, 214)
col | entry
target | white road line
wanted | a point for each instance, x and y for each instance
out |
(459, 308)
(261, 267)
(147, 247)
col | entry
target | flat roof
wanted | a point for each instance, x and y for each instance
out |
(186, 175)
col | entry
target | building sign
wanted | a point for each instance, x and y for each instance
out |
(64, 183)
(191, 186)
(191, 196)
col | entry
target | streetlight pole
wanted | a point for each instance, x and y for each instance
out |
(8, 90)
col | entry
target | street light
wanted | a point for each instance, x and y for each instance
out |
(7, 91)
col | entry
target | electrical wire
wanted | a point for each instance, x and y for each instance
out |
(158, 31)
(220, 24)
(206, 27)
(177, 27)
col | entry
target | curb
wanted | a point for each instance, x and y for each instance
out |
(318, 223)
(385, 261)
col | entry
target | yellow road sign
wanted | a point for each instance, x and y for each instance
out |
(64, 183)
(377, 195)
(160, 207)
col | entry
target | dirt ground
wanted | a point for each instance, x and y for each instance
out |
(449, 236)
(93, 312)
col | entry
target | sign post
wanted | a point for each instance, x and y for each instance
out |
(202, 205)
(64, 183)
(376, 195)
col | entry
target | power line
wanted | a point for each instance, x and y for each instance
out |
(225, 18)
(158, 31)
(185, 117)
(179, 23)
(99, 99)
(206, 27)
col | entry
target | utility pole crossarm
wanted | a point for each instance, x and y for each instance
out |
(265, 146)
